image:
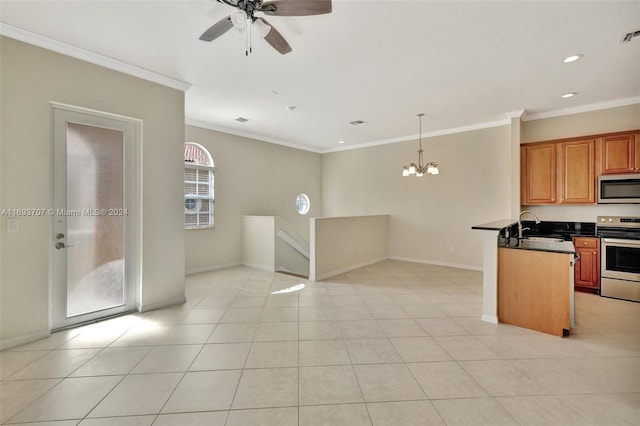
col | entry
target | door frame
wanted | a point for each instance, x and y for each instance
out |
(133, 202)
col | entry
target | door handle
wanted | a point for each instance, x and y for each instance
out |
(60, 245)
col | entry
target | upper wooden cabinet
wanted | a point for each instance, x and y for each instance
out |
(620, 154)
(558, 173)
(578, 172)
(565, 171)
(538, 164)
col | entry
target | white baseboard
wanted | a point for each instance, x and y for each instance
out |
(21, 340)
(259, 266)
(438, 263)
(212, 268)
(490, 318)
(163, 304)
(347, 269)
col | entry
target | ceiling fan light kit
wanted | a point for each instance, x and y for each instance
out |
(246, 10)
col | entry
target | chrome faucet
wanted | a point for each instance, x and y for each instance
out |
(520, 228)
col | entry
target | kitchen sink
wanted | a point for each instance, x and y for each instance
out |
(540, 243)
(544, 239)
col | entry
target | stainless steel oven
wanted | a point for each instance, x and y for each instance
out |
(620, 257)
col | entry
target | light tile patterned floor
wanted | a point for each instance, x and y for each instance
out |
(391, 344)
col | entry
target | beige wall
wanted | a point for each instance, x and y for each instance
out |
(342, 244)
(258, 242)
(31, 77)
(252, 178)
(430, 217)
(588, 123)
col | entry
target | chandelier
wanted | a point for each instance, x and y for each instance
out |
(420, 169)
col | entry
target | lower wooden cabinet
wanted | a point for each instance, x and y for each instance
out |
(586, 271)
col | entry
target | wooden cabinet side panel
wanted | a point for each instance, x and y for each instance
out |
(532, 296)
(577, 171)
(596, 268)
(637, 152)
(523, 175)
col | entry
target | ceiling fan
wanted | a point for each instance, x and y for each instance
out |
(247, 9)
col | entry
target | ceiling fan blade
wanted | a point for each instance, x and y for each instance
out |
(275, 39)
(217, 29)
(296, 7)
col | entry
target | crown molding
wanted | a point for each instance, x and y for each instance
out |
(450, 131)
(91, 57)
(516, 114)
(584, 108)
(209, 126)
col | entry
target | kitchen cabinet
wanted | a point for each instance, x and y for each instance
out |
(587, 266)
(620, 154)
(577, 172)
(561, 172)
(538, 173)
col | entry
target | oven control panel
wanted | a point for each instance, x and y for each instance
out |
(619, 221)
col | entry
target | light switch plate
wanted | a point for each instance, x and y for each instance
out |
(12, 225)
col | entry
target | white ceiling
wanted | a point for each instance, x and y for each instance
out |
(461, 63)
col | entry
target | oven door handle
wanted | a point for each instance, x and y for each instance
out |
(620, 242)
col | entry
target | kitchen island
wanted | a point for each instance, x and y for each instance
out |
(535, 288)
(527, 283)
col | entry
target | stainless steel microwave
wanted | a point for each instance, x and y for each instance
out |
(619, 189)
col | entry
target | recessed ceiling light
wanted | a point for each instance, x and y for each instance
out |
(569, 95)
(275, 92)
(357, 122)
(291, 108)
(572, 58)
(340, 141)
(242, 120)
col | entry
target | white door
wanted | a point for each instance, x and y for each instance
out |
(94, 221)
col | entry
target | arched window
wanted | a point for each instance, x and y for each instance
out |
(199, 198)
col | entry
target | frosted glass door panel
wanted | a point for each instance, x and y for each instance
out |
(95, 219)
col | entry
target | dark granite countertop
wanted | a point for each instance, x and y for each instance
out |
(495, 225)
